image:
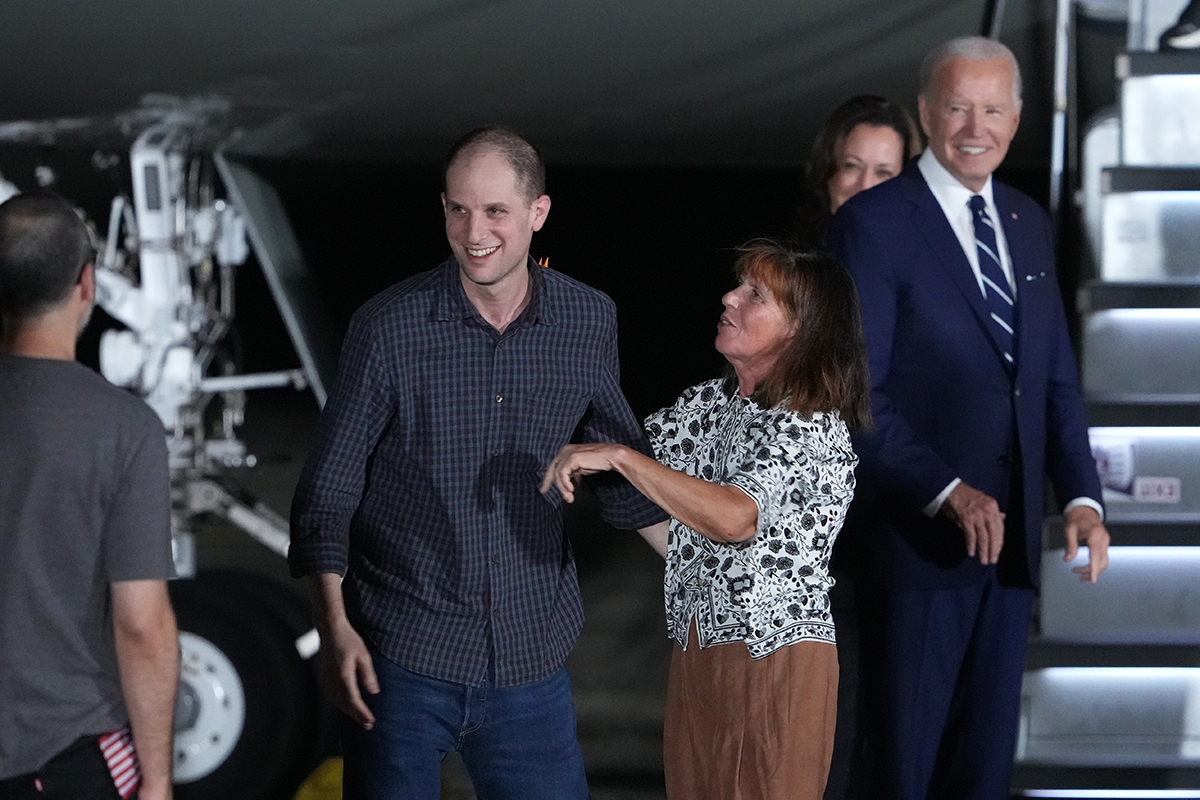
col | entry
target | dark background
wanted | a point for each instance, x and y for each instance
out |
(660, 241)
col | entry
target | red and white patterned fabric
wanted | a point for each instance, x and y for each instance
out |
(122, 760)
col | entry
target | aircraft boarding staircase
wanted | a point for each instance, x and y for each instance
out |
(1111, 696)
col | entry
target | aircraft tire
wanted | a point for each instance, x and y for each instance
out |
(250, 721)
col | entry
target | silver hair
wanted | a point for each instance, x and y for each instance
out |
(972, 48)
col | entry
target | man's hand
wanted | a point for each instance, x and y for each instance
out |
(344, 663)
(1082, 525)
(981, 521)
(577, 460)
(347, 671)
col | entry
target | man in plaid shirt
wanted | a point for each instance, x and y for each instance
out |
(459, 601)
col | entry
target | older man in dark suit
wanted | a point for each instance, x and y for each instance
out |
(976, 399)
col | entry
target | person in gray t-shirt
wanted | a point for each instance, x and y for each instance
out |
(88, 643)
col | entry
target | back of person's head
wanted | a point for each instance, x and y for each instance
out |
(972, 48)
(523, 157)
(822, 165)
(824, 365)
(44, 246)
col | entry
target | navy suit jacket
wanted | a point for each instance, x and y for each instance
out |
(944, 403)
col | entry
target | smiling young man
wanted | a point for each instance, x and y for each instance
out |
(459, 602)
(976, 400)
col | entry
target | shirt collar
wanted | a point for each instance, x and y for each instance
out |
(945, 187)
(451, 299)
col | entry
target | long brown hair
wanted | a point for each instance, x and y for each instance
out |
(824, 365)
(863, 109)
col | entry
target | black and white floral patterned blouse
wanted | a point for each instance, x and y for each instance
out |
(772, 590)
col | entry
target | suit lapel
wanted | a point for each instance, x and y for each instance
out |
(930, 220)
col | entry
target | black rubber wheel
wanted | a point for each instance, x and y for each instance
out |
(238, 631)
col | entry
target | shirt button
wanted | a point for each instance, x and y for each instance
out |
(499, 398)
(1016, 392)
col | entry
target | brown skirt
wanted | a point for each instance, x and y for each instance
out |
(739, 728)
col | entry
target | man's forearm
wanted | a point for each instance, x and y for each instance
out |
(329, 608)
(147, 643)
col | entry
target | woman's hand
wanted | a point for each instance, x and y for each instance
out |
(577, 460)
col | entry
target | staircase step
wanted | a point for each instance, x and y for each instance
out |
(1151, 224)
(1149, 474)
(1102, 295)
(1160, 113)
(1138, 352)
(1110, 717)
(1117, 409)
(1143, 64)
(1148, 595)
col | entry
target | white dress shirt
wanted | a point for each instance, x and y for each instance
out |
(954, 198)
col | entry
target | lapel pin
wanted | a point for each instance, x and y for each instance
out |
(1014, 215)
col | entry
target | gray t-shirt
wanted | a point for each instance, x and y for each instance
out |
(84, 501)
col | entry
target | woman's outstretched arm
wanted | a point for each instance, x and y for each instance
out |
(722, 513)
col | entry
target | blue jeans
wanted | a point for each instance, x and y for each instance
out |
(518, 742)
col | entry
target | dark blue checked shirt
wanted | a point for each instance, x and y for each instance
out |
(421, 484)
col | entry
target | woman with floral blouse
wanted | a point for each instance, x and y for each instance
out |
(756, 471)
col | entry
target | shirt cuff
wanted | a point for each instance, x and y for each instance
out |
(935, 505)
(1084, 501)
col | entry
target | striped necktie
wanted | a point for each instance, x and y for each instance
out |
(996, 289)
